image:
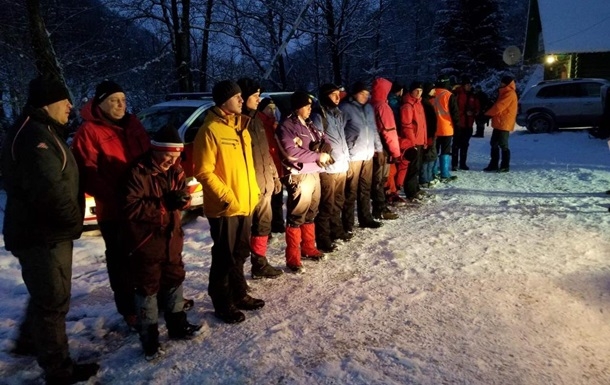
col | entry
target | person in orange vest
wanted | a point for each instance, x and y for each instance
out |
(503, 118)
(447, 117)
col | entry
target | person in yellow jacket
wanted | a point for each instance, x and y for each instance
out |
(222, 156)
(503, 118)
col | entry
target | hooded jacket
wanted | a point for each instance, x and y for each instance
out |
(41, 180)
(504, 111)
(223, 164)
(361, 133)
(104, 151)
(413, 131)
(384, 116)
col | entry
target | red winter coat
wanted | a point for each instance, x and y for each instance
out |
(384, 116)
(104, 151)
(414, 131)
(270, 126)
(468, 105)
(153, 238)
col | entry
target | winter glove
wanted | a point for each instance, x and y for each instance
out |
(176, 199)
(277, 186)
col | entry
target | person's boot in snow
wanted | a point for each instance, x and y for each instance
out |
(249, 303)
(229, 314)
(78, 373)
(505, 164)
(308, 242)
(493, 162)
(293, 249)
(178, 327)
(445, 161)
(149, 336)
(260, 267)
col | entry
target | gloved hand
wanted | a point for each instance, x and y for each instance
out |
(325, 146)
(277, 186)
(410, 154)
(176, 199)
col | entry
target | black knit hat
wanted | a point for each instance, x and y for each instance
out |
(506, 79)
(224, 90)
(105, 89)
(327, 89)
(396, 86)
(264, 103)
(358, 87)
(415, 85)
(299, 99)
(428, 86)
(443, 82)
(248, 87)
(45, 90)
(167, 139)
(465, 79)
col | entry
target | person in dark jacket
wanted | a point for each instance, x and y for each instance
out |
(363, 142)
(303, 160)
(43, 215)
(484, 103)
(266, 176)
(104, 146)
(156, 194)
(469, 108)
(329, 119)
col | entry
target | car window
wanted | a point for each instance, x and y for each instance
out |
(191, 131)
(156, 117)
(590, 89)
(559, 91)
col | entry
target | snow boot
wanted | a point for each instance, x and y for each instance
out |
(149, 336)
(229, 314)
(178, 327)
(249, 303)
(493, 162)
(463, 158)
(293, 247)
(308, 242)
(505, 164)
(79, 372)
(260, 267)
(445, 161)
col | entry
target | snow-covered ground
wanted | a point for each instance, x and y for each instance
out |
(501, 279)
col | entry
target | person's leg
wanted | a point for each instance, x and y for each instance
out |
(411, 184)
(277, 222)
(261, 228)
(325, 212)
(350, 195)
(365, 182)
(495, 151)
(503, 144)
(336, 226)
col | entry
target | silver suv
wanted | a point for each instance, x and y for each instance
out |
(554, 104)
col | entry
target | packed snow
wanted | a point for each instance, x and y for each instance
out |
(497, 279)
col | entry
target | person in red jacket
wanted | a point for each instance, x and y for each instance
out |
(469, 106)
(414, 137)
(104, 146)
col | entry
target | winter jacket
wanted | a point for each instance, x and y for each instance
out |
(504, 111)
(223, 164)
(414, 131)
(104, 151)
(384, 117)
(153, 235)
(468, 105)
(270, 125)
(360, 130)
(41, 180)
(332, 122)
(266, 174)
(295, 142)
(395, 103)
(447, 112)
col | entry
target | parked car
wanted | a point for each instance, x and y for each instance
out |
(555, 104)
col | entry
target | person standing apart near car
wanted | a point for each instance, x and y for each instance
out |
(266, 177)
(503, 119)
(303, 159)
(156, 193)
(43, 215)
(104, 146)
(222, 156)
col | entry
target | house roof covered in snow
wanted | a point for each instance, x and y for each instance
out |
(570, 26)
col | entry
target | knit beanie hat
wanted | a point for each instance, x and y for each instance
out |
(465, 80)
(415, 85)
(299, 99)
(396, 86)
(45, 90)
(506, 79)
(224, 90)
(167, 139)
(105, 89)
(358, 87)
(325, 90)
(248, 87)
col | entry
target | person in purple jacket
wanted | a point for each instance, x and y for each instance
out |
(303, 158)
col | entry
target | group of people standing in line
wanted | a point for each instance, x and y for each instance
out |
(345, 158)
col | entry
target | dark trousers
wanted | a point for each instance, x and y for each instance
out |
(332, 199)
(262, 216)
(231, 236)
(119, 272)
(47, 273)
(303, 198)
(381, 170)
(277, 221)
(411, 184)
(461, 142)
(443, 145)
(499, 141)
(358, 189)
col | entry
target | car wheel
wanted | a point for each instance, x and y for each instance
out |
(540, 123)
